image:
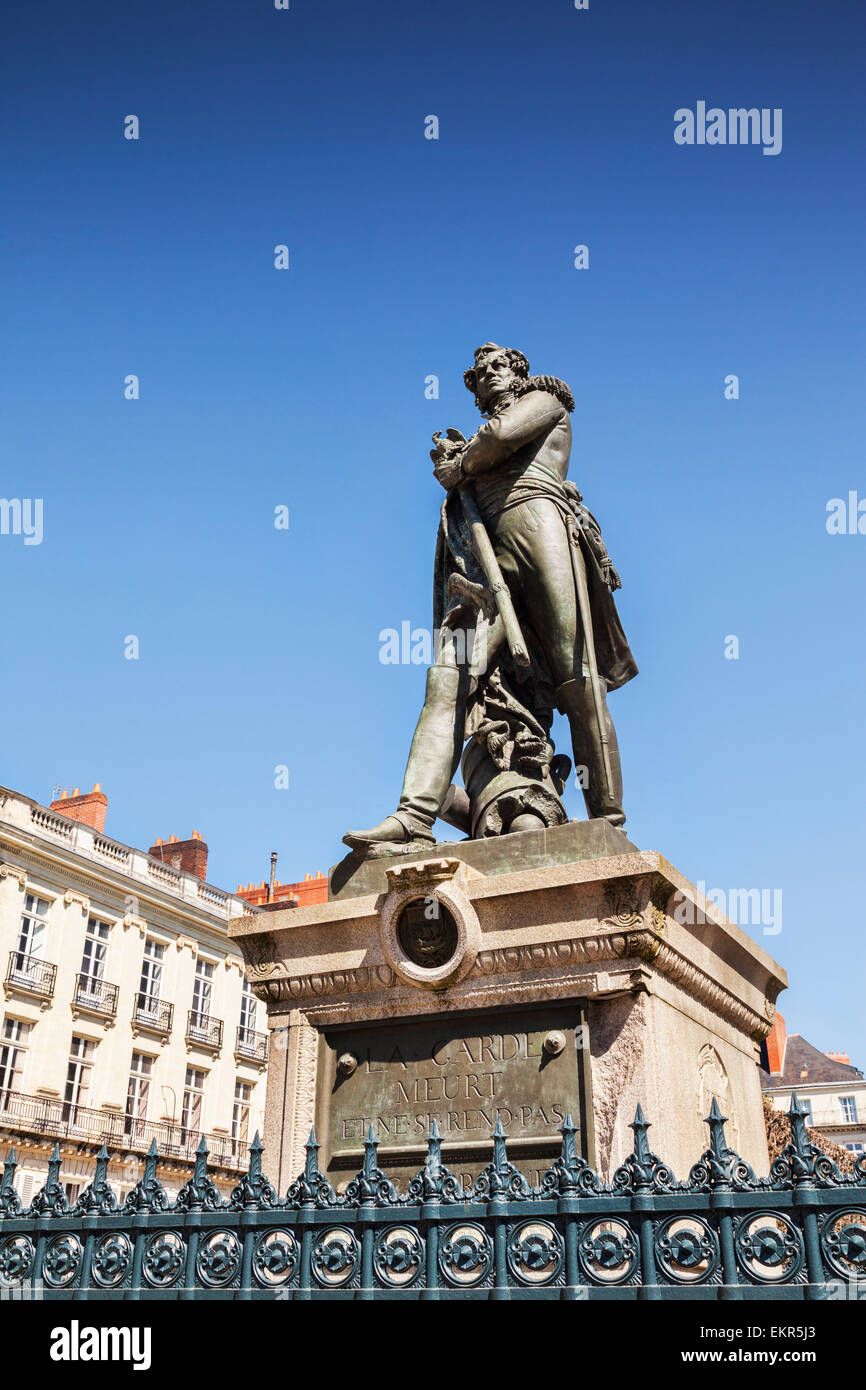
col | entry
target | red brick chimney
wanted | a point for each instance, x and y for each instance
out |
(839, 1057)
(88, 807)
(776, 1040)
(190, 856)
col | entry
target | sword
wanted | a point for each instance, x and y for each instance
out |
(579, 567)
(493, 574)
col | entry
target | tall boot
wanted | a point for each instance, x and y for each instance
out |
(575, 700)
(433, 758)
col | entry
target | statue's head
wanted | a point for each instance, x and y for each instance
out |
(498, 372)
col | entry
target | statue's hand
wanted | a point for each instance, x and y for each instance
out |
(449, 471)
(447, 457)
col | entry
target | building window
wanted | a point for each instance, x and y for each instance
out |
(807, 1106)
(72, 1190)
(13, 1054)
(202, 988)
(78, 1072)
(151, 971)
(849, 1109)
(138, 1091)
(31, 936)
(193, 1101)
(248, 1017)
(241, 1112)
(854, 1148)
(95, 949)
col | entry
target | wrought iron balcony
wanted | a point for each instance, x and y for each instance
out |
(204, 1030)
(252, 1045)
(156, 1015)
(95, 995)
(51, 1118)
(30, 975)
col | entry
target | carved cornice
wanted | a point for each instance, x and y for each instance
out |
(70, 897)
(137, 922)
(272, 984)
(421, 874)
(7, 871)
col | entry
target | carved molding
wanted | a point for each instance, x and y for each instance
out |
(303, 1092)
(137, 922)
(421, 873)
(7, 871)
(79, 899)
(187, 942)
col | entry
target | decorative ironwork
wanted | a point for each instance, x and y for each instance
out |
(251, 1045)
(204, 1030)
(16, 1260)
(336, 1256)
(535, 1253)
(465, 1254)
(164, 1258)
(218, 1259)
(796, 1233)
(61, 1261)
(31, 975)
(95, 995)
(275, 1258)
(399, 1256)
(112, 1259)
(98, 1198)
(157, 1015)
(608, 1252)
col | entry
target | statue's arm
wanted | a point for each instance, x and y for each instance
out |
(530, 416)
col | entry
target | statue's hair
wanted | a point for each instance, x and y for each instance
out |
(519, 364)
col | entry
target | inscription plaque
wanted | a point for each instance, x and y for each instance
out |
(529, 1067)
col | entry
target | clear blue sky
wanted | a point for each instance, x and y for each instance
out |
(306, 388)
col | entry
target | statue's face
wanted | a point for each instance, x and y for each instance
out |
(494, 377)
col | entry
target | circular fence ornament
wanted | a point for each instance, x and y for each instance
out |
(275, 1258)
(465, 1254)
(16, 1260)
(335, 1257)
(769, 1247)
(61, 1261)
(843, 1241)
(111, 1259)
(218, 1259)
(399, 1256)
(608, 1252)
(164, 1257)
(535, 1253)
(686, 1250)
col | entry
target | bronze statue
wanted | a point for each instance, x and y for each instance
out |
(520, 564)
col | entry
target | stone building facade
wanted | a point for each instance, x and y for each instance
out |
(126, 1017)
(832, 1091)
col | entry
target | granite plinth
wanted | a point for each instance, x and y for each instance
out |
(654, 995)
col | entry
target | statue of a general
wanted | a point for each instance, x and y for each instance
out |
(522, 572)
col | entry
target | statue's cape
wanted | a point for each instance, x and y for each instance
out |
(454, 552)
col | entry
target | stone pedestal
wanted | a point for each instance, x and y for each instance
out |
(464, 985)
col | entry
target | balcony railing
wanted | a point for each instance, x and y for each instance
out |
(252, 1045)
(52, 1119)
(95, 995)
(31, 974)
(204, 1030)
(155, 1014)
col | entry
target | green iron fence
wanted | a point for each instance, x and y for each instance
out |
(723, 1233)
